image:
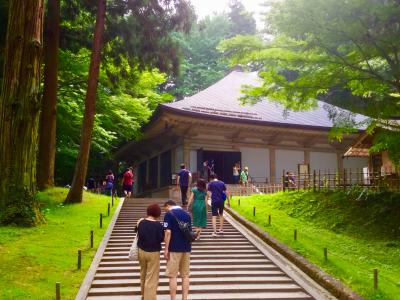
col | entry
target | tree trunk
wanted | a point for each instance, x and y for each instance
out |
(47, 134)
(75, 193)
(19, 113)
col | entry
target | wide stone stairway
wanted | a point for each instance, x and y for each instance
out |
(224, 267)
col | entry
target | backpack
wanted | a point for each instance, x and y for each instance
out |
(185, 228)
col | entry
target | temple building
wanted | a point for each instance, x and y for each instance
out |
(214, 126)
(378, 162)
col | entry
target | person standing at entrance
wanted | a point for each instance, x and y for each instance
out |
(206, 171)
(236, 174)
(177, 249)
(127, 182)
(183, 181)
(244, 178)
(218, 193)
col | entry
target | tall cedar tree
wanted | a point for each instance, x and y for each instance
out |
(47, 135)
(75, 193)
(19, 113)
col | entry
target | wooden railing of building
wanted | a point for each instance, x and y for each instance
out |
(240, 190)
(322, 180)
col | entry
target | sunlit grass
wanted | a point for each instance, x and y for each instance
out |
(32, 260)
(354, 246)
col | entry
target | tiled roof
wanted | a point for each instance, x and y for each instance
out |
(222, 100)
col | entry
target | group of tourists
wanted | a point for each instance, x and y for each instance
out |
(108, 185)
(177, 245)
(200, 195)
(241, 176)
(289, 180)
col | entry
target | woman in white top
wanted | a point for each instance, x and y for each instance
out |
(236, 173)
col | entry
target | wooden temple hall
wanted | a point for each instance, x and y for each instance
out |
(213, 125)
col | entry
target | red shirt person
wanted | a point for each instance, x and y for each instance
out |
(127, 182)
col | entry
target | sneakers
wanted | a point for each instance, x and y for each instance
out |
(214, 234)
(220, 232)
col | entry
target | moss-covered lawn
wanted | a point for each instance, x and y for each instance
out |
(360, 233)
(32, 260)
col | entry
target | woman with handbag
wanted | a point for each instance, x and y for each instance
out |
(150, 236)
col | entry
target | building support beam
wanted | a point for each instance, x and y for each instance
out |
(340, 162)
(307, 157)
(186, 154)
(173, 160)
(147, 172)
(159, 171)
(272, 165)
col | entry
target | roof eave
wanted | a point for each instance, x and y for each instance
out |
(244, 121)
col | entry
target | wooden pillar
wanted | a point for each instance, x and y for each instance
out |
(173, 160)
(340, 162)
(159, 171)
(272, 165)
(186, 154)
(307, 157)
(147, 171)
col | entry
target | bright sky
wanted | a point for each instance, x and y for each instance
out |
(208, 7)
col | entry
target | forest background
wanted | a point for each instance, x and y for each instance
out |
(145, 53)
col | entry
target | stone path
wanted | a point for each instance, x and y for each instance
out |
(233, 266)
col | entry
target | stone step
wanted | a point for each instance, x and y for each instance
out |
(215, 268)
(258, 262)
(227, 267)
(194, 281)
(242, 288)
(215, 296)
(113, 251)
(235, 248)
(198, 274)
(193, 256)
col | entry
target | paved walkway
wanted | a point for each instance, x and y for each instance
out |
(234, 266)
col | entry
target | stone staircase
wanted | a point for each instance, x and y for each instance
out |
(226, 267)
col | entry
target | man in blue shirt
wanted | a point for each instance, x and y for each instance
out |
(184, 181)
(218, 193)
(177, 249)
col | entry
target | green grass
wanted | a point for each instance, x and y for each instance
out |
(32, 260)
(361, 233)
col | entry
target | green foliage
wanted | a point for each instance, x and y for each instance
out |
(242, 21)
(121, 110)
(137, 32)
(342, 52)
(390, 141)
(137, 45)
(202, 64)
(360, 228)
(356, 212)
(33, 259)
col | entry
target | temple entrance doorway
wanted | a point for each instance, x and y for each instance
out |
(221, 162)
